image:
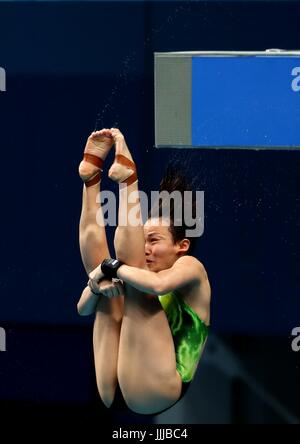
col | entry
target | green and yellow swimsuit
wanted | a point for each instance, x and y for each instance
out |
(189, 333)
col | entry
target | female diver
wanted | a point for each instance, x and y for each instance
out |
(149, 333)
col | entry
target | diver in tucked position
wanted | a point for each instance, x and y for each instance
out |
(150, 331)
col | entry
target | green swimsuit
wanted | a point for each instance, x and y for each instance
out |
(189, 333)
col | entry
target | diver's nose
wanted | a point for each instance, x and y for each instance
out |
(147, 249)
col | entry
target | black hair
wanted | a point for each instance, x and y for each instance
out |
(175, 178)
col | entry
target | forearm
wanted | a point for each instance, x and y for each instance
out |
(185, 271)
(143, 280)
(88, 302)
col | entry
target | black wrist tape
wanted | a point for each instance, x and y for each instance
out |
(109, 268)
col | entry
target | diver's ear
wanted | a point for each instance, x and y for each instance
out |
(183, 246)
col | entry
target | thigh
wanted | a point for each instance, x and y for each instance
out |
(106, 338)
(147, 355)
(119, 405)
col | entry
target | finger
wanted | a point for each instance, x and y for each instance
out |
(115, 291)
(96, 274)
(93, 286)
(108, 293)
(92, 274)
(104, 292)
(120, 288)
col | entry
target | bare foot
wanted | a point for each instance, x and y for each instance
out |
(122, 168)
(98, 144)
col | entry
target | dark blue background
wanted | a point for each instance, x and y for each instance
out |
(73, 66)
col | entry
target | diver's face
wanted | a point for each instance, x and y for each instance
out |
(160, 250)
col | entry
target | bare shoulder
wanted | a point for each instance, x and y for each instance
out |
(193, 264)
(197, 296)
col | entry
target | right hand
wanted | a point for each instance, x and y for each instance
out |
(108, 288)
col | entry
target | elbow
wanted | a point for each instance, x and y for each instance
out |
(160, 287)
(82, 311)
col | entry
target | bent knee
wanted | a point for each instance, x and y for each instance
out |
(107, 395)
(150, 399)
(147, 405)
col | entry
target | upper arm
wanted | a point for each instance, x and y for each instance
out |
(187, 270)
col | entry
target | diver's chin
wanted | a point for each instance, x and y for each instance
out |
(155, 268)
(151, 266)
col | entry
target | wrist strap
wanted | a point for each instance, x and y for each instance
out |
(109, 268)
